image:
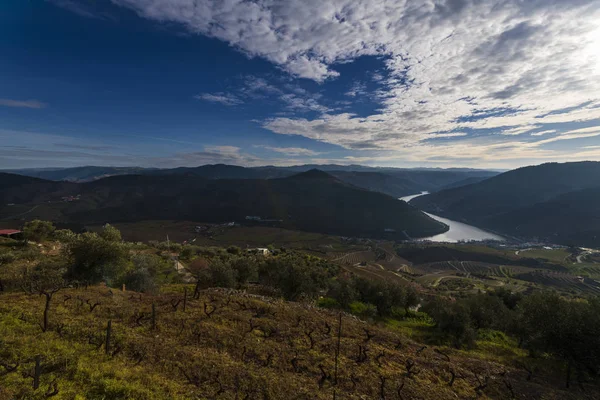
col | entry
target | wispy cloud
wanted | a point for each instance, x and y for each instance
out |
(542, 133)
(519, 130)
(357, 89)
(98, 147)
(292, 151)
(22, 103)
(226, 99)
(87, 9)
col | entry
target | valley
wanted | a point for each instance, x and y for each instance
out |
(253, 276)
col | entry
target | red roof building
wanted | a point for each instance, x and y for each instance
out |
(8, 232)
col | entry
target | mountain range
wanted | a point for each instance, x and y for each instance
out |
(395, 182)
(556, 202)
(312, 201)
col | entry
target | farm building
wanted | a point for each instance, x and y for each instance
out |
(11, 233)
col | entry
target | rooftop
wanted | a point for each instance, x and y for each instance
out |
(9, 231)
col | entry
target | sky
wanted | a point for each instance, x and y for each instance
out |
(402, 83)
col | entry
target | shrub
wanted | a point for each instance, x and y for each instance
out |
(140, 280)
(37, 230)
(363, 310)
(110, 233)
(328, 302)
(94, 259)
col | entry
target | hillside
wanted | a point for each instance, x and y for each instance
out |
(553, 201)
(103, 318)
(230, 345)
(78, 174)
(393, 181)
(312, 201)
(21, 189)
(465, 182)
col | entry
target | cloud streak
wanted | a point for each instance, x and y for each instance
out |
(292, 151)
(226, 99)
(36, 104)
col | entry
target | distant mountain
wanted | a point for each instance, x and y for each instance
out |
(78, 174)
(312, 201)
(393, 181)
(559, 202)
(464, 182)
(21, 189)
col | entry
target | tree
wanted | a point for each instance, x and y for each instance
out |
(144, 270)
(45, 280)
(234, 250)
(64, 235)
(344, 291)
(488, 312)
(568, 329)
(140, 280)
(384, 295)
(411, 299)
(246, 269)
(222, 275)
(94, 259)
(37, 230)
(296, 275)
(110, 233)
(453, 320)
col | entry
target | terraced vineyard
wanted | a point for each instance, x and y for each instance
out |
(472, 268)
(371, 271)
(563, 281)
(352, 258)
(590, 270)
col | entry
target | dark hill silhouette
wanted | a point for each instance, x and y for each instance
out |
(396, 182)
(312, 201)
(553, 201)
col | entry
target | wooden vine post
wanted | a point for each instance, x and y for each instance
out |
(108, 333)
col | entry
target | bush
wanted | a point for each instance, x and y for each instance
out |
(64, 235)
(140, 280)
(328, 302)
(94, 259)
(363, 310)
(296, 275)
(217, 274)
(37, 230)
(110, 233)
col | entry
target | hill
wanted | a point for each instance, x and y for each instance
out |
(553, 201)
(77, 174)
(393, 181)
(230, 345)
(312, 201)
(91, 316)
(465, 182)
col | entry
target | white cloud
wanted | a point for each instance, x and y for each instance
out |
(519, 130)
(292, 151)
(357, 89)
(22, 103)
(446, 135)
(542, 133)
(446, 61)
(302, 103)
(226, 99)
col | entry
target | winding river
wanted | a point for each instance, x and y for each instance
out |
(458, 231)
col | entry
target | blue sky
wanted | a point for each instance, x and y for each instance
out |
(168, 83)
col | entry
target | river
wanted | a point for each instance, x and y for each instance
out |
(458, 231)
